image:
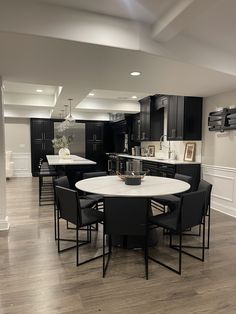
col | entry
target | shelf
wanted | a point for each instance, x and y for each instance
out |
(222, 120)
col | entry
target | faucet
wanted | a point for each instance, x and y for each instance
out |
(162, 144)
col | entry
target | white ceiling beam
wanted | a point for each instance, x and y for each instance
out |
(109, 105)
(177, 18)
(64, 23)
(22, 99)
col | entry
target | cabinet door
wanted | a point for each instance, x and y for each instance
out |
(95, 152)
(94, 131)
(179, 135)
(98, 131)
(48, 130)
(171, 118)
(37, 129)
(135, 135)
(145, 119)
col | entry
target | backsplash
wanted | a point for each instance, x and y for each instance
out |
(178, 147)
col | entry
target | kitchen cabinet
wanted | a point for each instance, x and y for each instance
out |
(135, 128)
(42, 133)
(151, 120)
(184, 120)
(169, 170)
(94, 131)
(95, 143)
(119, 129)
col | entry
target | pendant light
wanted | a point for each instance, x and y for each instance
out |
(70, 118)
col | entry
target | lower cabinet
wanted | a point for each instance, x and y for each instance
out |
(169, 170)
(95, 152)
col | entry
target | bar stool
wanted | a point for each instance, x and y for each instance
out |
(46, 175)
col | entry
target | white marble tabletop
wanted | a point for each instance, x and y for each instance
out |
(150, 186)
(54, 160)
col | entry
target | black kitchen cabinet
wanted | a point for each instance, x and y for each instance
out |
(135, 131)
(119, 130)
(95, 143)
(169, 170)
(42, 133)
(184, 118)
(94, 131)
(151, 120)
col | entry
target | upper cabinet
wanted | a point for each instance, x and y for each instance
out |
(42, 133)
(94, 131)
(151, 119)
(184, 118)
(135, 131)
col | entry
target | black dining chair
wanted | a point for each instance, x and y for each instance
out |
(190, 213)
(171, 201)
(125, 217)
(84, 202)
(207, 188)
(69, 209)
(96, 197)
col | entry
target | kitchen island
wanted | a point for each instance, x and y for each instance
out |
(73, 166)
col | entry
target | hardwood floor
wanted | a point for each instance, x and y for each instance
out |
(35, 279)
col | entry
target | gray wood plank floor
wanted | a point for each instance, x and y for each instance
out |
(35, 279)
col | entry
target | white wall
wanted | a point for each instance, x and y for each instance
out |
(218, 156)
(219, 148)
(17, 140)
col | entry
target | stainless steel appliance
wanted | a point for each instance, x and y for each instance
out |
(77, 131)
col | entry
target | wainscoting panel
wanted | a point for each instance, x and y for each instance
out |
(224, 188)
(22, 164)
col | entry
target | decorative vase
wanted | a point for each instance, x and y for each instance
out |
(64, 153)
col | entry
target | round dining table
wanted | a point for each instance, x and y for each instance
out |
(115, 186)
(150, 186)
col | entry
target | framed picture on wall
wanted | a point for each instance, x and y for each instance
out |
(189, 153)
(151, 151)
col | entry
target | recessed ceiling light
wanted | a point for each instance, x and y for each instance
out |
(134, 97)
(135, 73)
(39, 90)
(91, 94)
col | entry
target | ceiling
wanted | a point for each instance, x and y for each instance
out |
(71, 48)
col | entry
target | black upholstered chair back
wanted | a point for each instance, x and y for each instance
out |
(87, 175)
(62, 181)
(184, 178)
(125, 216)
(68, 205)
(207, 187)
(192, 209)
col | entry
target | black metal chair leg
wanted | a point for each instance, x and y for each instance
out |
(203, 240)
(77, 247)
(208, 230)
(58, 232)
(180, 252)
(146, 256)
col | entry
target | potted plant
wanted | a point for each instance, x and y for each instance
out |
(62, 143)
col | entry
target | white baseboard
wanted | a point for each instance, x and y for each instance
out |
(224, 188)
(22, 164)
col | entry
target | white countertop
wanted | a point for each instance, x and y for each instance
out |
(55, 160)
(155, 159)
(150, 186)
